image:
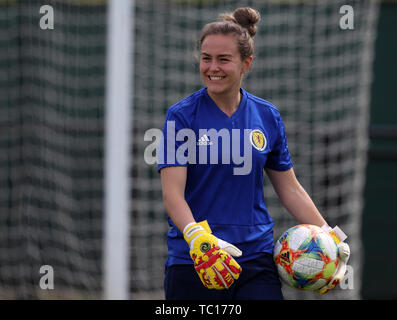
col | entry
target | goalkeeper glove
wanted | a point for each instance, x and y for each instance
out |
(343, 253)
(212, 256)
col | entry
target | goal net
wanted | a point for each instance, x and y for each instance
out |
(315, 72)
(52, 85)
(51, 149)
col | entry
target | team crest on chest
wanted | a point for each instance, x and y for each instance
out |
(258, 139)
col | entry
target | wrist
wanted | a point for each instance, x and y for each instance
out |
(187, 226)
(336, 233)
(193, 230)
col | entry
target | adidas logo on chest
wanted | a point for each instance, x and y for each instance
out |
(204, 141)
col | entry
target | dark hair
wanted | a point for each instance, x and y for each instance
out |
(241, 23)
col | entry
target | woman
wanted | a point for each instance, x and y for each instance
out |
(216, 213)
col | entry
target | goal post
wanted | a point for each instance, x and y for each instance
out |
(118, 135)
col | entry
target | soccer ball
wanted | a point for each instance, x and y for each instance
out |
(306, 257)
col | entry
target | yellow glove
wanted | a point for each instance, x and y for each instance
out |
(343, 254)
(212, 256)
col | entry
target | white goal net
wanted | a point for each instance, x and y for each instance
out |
(52, 85)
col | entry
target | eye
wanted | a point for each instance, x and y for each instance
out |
(205, 58)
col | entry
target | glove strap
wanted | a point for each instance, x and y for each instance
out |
(193, 229)
(336, 233)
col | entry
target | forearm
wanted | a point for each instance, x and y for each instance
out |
(173, 181)
(178, 210)
(299, 204)
(294, 197)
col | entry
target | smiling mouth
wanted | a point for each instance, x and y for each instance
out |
(215, 78)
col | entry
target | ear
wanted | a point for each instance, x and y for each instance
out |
(247, 64)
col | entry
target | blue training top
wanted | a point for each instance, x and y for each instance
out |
(225, 158)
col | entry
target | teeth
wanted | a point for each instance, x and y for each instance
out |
(216, 78)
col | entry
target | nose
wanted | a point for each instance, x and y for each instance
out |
(214, 66)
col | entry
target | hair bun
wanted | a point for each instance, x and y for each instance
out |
(247, 18)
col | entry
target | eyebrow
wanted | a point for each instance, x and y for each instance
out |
(220, 55)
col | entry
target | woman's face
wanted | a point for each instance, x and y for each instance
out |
(221, 67)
